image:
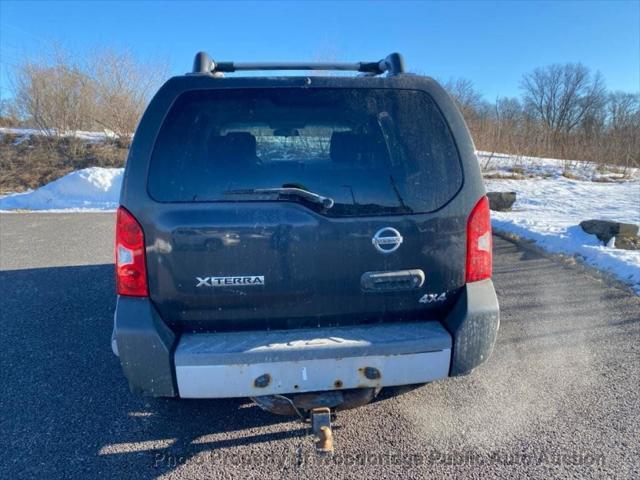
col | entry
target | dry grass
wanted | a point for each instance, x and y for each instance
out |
(27, 163)
(503, 176)
(570, 175)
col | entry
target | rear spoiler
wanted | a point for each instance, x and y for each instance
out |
(203, 64)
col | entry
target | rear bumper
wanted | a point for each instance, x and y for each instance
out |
(242, 364)
(250, 364)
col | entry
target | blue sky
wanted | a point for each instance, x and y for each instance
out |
(490, 43)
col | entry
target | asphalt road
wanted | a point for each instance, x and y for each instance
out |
(560, 397)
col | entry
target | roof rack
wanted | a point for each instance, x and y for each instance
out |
(204, 64)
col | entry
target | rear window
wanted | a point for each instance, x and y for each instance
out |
(372, 151)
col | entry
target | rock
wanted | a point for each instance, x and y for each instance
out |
(605, 229)
(501, 201)
(628, 242)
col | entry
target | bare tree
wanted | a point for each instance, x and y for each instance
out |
(509, 125)
(60, 95)
(561, 96)
(476, 112)
(123, 86)
(623, 116)
(55, 94)
(623, 110)
(9, 116)
(465, 95)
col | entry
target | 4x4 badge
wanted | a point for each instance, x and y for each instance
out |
(387, 240)
(433, 298)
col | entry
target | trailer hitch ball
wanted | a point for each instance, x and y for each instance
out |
(325, 440)
(321, 426)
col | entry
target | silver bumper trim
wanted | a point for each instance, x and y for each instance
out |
(241, 364)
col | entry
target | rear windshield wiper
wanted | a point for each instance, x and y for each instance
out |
(326, 202)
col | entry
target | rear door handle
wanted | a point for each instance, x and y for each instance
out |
(392, 281)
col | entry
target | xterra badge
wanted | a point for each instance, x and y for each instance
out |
(247, 281)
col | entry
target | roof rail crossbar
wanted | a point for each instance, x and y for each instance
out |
(394, 64)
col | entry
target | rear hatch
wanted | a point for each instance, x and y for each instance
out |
(290, 207)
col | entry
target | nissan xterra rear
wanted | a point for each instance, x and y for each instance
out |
(304, 241)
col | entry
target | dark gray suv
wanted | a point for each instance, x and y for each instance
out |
(301, 240)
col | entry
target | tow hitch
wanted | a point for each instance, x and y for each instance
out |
(321, 426)
(317, 409)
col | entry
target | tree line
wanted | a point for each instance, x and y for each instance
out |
(60, 93)
(564, 111)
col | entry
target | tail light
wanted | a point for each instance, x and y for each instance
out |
(479, 243)
(131, 268)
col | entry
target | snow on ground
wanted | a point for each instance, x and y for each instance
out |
(500, 165)
(554, 196)
(24, 133)
(88, 189)
(549, 211)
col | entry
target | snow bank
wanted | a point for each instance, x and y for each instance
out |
(92, 188)
(548, 211)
